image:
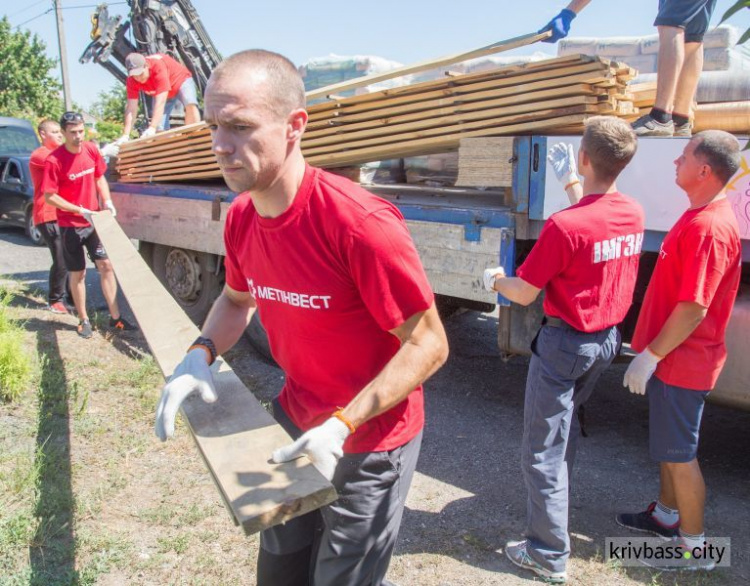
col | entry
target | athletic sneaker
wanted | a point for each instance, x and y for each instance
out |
(645, 522)
(516, 553)
(647, 126)
(688, 562)
(84, 329)
(58, 307)
(683, 130)
(121, 324)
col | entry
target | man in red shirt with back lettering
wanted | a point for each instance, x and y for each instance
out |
(680, 337)
(586, 260)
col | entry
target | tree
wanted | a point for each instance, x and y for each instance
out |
(109, 109)
(27, 88)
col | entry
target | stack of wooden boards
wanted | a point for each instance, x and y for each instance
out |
(553, 96)
(723, 100)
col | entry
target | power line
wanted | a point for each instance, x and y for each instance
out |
(29, 7)
(63, 8)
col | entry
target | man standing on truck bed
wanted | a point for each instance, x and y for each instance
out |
(166, 81)
(681, 25)
(73, 175)
(45, 217)
(350, 318)
(586, 260)
(680, 337)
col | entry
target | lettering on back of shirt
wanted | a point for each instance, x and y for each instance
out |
(303, 300)
(618, 247)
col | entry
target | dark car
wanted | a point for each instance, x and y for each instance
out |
(17, 141)
(17, 195)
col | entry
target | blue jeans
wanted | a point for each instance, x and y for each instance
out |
(187, 94)
(563, 371)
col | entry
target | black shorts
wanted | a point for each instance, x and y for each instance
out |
(74, 240)
(691, 15)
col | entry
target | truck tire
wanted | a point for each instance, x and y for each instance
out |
(31, 230)
(193, 278)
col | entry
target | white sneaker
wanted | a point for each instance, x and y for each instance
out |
(516, 553)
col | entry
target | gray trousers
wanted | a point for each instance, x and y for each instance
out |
(563, 371)
(350, 541)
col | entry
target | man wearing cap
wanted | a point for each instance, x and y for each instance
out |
(166, 81)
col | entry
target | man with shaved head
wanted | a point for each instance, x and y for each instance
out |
(680, 340)
(350, 317)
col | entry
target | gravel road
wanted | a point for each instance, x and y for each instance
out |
(468, 496)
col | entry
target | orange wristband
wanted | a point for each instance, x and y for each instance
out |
(571, 184)
(340, 416)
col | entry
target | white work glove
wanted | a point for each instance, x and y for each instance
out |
(489, 278)
(563, 160)
(191, 375)
(148, 132)
(122, 140)
(86, 213)
(639, 371)
(110, 150)
(110, 205)
(324, 445)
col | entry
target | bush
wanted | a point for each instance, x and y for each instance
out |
(15, 364)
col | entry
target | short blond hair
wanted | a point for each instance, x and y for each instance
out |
(287, 90)
(610, 144)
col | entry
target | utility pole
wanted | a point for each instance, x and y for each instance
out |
(63, 56)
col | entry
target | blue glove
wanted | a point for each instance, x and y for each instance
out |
(560, 26)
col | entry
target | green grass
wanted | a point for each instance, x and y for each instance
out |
(16, 368)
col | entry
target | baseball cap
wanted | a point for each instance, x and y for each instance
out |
(135, 63)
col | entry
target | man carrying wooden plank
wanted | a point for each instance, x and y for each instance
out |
(586, 260)
(680, 340)
(350, 318)
(166, 81)
(73, 180)
(681, 25)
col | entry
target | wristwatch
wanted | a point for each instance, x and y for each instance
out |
(208, 345)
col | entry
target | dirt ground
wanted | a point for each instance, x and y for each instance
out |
(90, 496)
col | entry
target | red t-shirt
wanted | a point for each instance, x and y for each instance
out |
(586, 260)
(42, 211)
(73, 177)
(164, 75)
(699, 261)
(331, 276)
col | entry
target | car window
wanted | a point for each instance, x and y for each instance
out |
(14, 171)
(17, 140)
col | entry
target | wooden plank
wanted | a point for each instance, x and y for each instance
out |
(445, 117)
(499, 47)
(236, 435)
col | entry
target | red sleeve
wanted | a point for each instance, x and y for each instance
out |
(159, 76)
(233, 275)
(132, 88)
(706, 260)
(550, 256)
(50, 181)
(386, 269)
(36, 168)
(100, 163)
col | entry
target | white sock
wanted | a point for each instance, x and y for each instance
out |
(693, 541)
(666, 516)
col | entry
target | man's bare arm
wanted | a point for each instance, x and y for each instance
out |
(685, 317)
(424, 349)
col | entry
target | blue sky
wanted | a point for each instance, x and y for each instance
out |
(406, 31)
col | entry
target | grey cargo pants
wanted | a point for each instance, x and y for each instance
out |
(563, 371)
(350, 541)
